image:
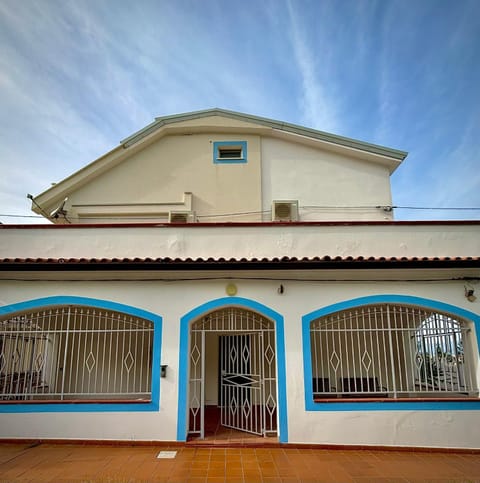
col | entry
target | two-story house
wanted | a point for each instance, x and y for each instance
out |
(221, 265)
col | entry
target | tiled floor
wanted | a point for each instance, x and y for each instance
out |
(133, 464)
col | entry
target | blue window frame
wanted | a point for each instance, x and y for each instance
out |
(58, 353)
(316, 383)
(230, 152)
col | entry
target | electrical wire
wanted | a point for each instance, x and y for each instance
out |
(260, 212)
(46, 215)
(21, 216)
(252, 279)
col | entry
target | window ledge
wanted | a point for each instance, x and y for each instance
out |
(77, 401)
(392, 400)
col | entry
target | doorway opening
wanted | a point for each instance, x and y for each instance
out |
(233, 376)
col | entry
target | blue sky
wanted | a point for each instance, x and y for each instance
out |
(77, 76)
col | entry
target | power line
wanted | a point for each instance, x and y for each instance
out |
(219, 215)
(21, 216)
(32, 199)
(435, 208)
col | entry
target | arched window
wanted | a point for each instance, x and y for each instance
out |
(70, 352)
(392, 351)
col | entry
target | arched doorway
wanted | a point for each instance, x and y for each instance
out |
(233, 367)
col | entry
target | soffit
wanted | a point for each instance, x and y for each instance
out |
(315, 269)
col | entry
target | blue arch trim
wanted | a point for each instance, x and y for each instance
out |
(406, 405)
(194, 314)
(18, 407)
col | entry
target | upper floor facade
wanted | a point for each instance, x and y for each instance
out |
(222, 166)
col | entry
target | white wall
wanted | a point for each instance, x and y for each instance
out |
(173, 299)
(382, 240)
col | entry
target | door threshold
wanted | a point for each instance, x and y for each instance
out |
(249, 442)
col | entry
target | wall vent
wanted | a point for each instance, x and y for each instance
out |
(285, 210)
(179, 216)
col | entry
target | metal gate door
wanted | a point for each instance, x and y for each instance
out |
(247, 367)
(241, 390)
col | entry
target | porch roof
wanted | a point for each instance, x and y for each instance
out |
(283, 263)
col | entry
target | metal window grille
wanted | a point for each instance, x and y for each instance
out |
(75, 352)
(391, 351)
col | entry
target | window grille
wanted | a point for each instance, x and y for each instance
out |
(75, 352)
(392, 351)
(229, 153)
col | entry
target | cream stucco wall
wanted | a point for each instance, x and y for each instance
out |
(163, 171)
(171, 300)
(327, 185)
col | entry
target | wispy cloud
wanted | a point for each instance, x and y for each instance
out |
(318, 107)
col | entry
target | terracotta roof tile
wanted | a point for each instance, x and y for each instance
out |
(216, 263)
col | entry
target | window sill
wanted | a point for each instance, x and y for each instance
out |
(393, 400)
(76, 401)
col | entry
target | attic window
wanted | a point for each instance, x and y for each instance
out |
(229, 152)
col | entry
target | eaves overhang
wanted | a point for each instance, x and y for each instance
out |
(269, 123)
(234, 264)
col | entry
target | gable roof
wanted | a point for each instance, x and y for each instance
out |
(189, 122)
(270, 123)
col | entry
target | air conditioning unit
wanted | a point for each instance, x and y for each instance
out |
(179, 216)
(285, 210)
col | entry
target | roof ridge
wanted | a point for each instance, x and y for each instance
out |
(273, 123)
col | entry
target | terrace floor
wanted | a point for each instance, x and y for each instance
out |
(89, 463)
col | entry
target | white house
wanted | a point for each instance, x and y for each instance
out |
(221, 260)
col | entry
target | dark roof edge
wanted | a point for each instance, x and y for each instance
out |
(272, 123)
(243, 224)
(284, 263)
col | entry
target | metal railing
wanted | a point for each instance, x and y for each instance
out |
(391, 351)
(75, 352)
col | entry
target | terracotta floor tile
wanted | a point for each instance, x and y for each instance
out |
(249, 458)
(247, 451)
(137, 464)
(233, 479)
(235, 471)
(247, 472)
(287, 472)
(198, 472)
(233, 457)
(214, 472)
(202, 457)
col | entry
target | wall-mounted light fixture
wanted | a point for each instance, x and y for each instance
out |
(231, 289)
(163, 370)
(469, 294)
